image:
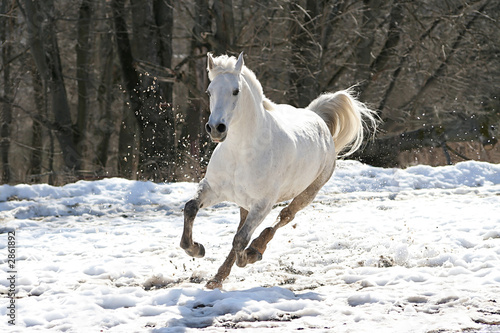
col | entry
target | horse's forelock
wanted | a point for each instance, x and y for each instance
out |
(226, 64)
(222, 64)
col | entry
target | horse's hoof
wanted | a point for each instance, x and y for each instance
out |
(241, 260)
(253, 255)
(196, 251)
(201, 250)
(213, 284)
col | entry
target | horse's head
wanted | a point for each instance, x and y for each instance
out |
(224, 92)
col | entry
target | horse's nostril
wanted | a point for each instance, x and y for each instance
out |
(208, 128)
(221, 128)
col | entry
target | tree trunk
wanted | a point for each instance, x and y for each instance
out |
(388, 50)
(224, 21)
(164, 23)
(83, 49)
(364, 49)
(306, 52)
(45, 51)
(197, 143)
(6, 113)
(157, 143)
(164, 19)
(35, 168)
(105, 98)
(127, 145)
(130, 79)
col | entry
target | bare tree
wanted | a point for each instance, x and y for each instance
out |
(45, 50)
(83, 49)
(36, 156)
(7, 97)
(155, 125)
(196, 82)
(105, 95)
(225, 28)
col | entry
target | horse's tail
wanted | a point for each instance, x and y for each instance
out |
(345, 116)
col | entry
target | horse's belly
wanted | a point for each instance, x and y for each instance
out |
(299, 180)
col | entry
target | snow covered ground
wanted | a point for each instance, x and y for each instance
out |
(379, 250)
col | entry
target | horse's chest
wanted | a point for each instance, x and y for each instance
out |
(242, 175)
(239, 180)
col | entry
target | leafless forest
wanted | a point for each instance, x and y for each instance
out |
(104, 88)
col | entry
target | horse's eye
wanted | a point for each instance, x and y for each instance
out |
(236, 92)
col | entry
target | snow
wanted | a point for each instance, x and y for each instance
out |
(381, 250)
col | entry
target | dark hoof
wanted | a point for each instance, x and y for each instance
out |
(197, 250)
(241, 259)
(253, 255)
(214, 284)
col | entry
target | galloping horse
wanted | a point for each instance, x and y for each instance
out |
(267, 153)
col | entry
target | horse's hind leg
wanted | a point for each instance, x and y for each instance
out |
(225, 268)
(258, 246)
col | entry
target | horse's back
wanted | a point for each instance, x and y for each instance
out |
(303, 126)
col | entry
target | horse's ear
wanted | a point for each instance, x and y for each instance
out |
(210, 61)
(239, 63)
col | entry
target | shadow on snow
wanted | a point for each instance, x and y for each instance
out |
(199, 308)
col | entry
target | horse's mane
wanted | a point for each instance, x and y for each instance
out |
(225, 64)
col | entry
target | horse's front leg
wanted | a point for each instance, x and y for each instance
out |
(203, 198)
(194, 249)
(255, 217)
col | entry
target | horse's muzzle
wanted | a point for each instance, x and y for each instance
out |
(217, 132)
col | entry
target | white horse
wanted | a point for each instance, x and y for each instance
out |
(267, 153)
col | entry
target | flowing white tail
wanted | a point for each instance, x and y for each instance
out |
(345, 117)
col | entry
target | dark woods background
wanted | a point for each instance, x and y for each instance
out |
(100, 88)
